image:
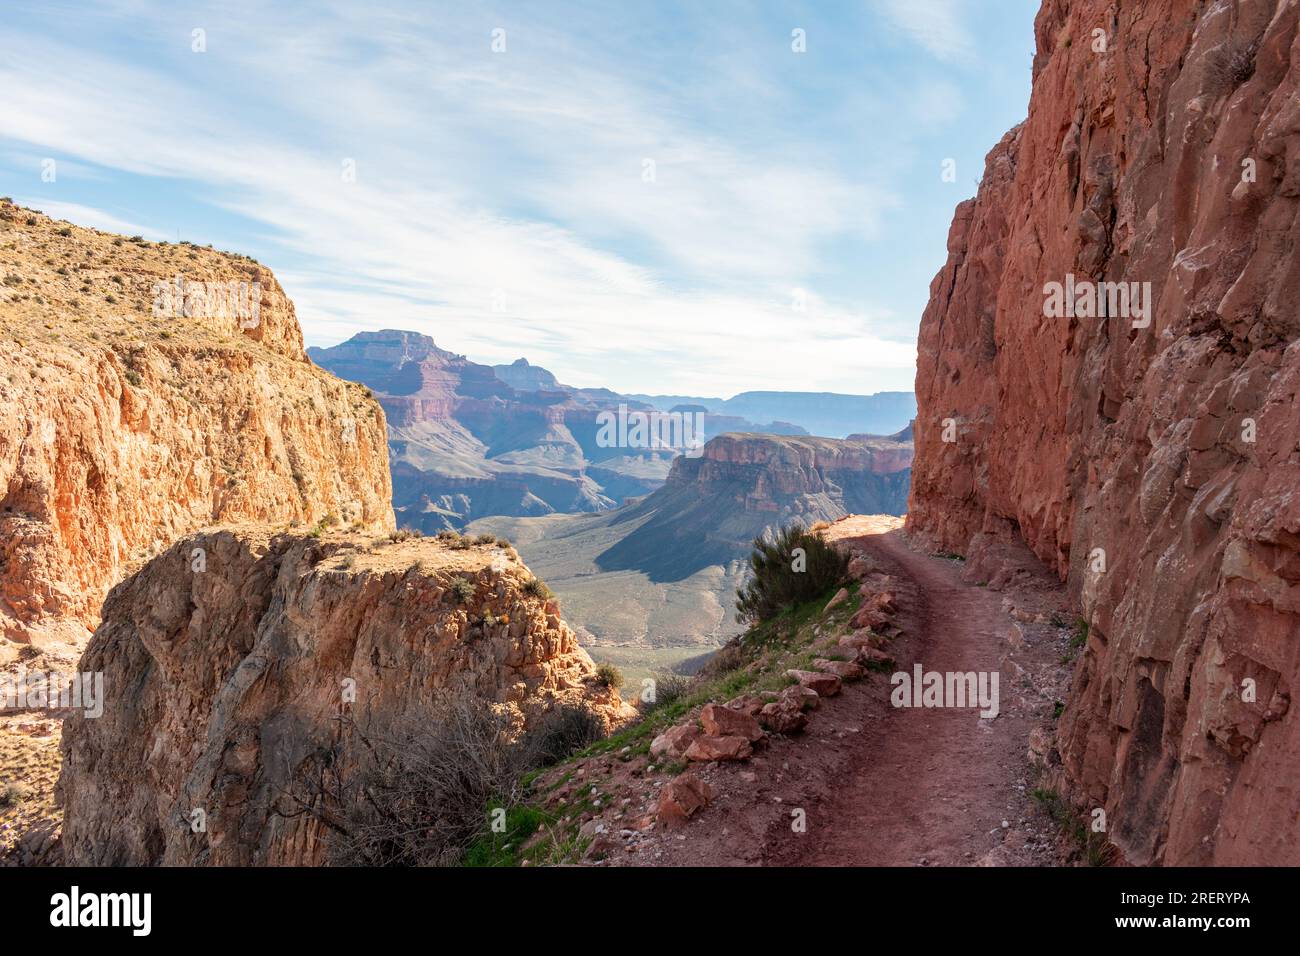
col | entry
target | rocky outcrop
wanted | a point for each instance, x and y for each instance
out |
(151, 389)
(714, 505)
(231, 683)
(1150, 456)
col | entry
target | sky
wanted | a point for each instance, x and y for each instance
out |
(699, 197)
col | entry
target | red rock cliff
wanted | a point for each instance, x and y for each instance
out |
(131, 415)
(1155, 466)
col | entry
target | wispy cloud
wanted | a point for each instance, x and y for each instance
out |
(584, 198)
(87, 216)
(935, 24)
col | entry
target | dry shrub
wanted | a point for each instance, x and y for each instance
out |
(422, 793)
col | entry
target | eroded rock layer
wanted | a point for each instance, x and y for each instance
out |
(150, 389)
(1155, 465)
(227, 688)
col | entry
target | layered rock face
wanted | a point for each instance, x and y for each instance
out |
(230, 687)
(1151, 456)
(465, 443)
(712, 506)
(149, 390)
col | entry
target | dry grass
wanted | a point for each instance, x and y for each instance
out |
(29, 764)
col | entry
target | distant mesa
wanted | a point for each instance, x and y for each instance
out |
(469, 441)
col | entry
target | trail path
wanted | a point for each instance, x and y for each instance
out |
(931, 784)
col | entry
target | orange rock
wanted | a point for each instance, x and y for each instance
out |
(707, 748)
(825, 685)
(682, 798)
(724, 722)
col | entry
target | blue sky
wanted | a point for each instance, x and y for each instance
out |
(654, 197)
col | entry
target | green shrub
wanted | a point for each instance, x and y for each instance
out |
(464, 590)
(790, 567)
(538, 589)
(609, 675)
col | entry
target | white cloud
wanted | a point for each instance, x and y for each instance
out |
(87, 216)
(518, 175)
(935, 24)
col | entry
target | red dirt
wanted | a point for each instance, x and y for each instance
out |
(886, 786)
(933, 785)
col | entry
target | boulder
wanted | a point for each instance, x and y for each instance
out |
(804, 697)
(840, 597)
(785, 716)
(681, 799)
(826, 685)
(674, 741)
(844, 670)
(747, 704)
(724, 722)
(706, 748)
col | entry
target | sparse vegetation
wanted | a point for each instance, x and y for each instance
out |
(792, 566)
(1230, 65)
(537, 588)
(464, 590)
(609, 676)
(669, 689)
(564, 731)
(1096, 851)
(429, 787)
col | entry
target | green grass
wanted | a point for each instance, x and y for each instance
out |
(1080, 636)
(1092, 845)
(779, 644)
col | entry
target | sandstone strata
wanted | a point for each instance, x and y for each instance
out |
(1156, 466)
(740, 485)
(226, 688)
(122, 429)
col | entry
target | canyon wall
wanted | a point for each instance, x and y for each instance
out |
(227, 682)
(713, 505)
(1150, 456)
(140, 402)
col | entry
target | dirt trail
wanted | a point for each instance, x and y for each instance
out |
(870, 784)
(932, 786)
